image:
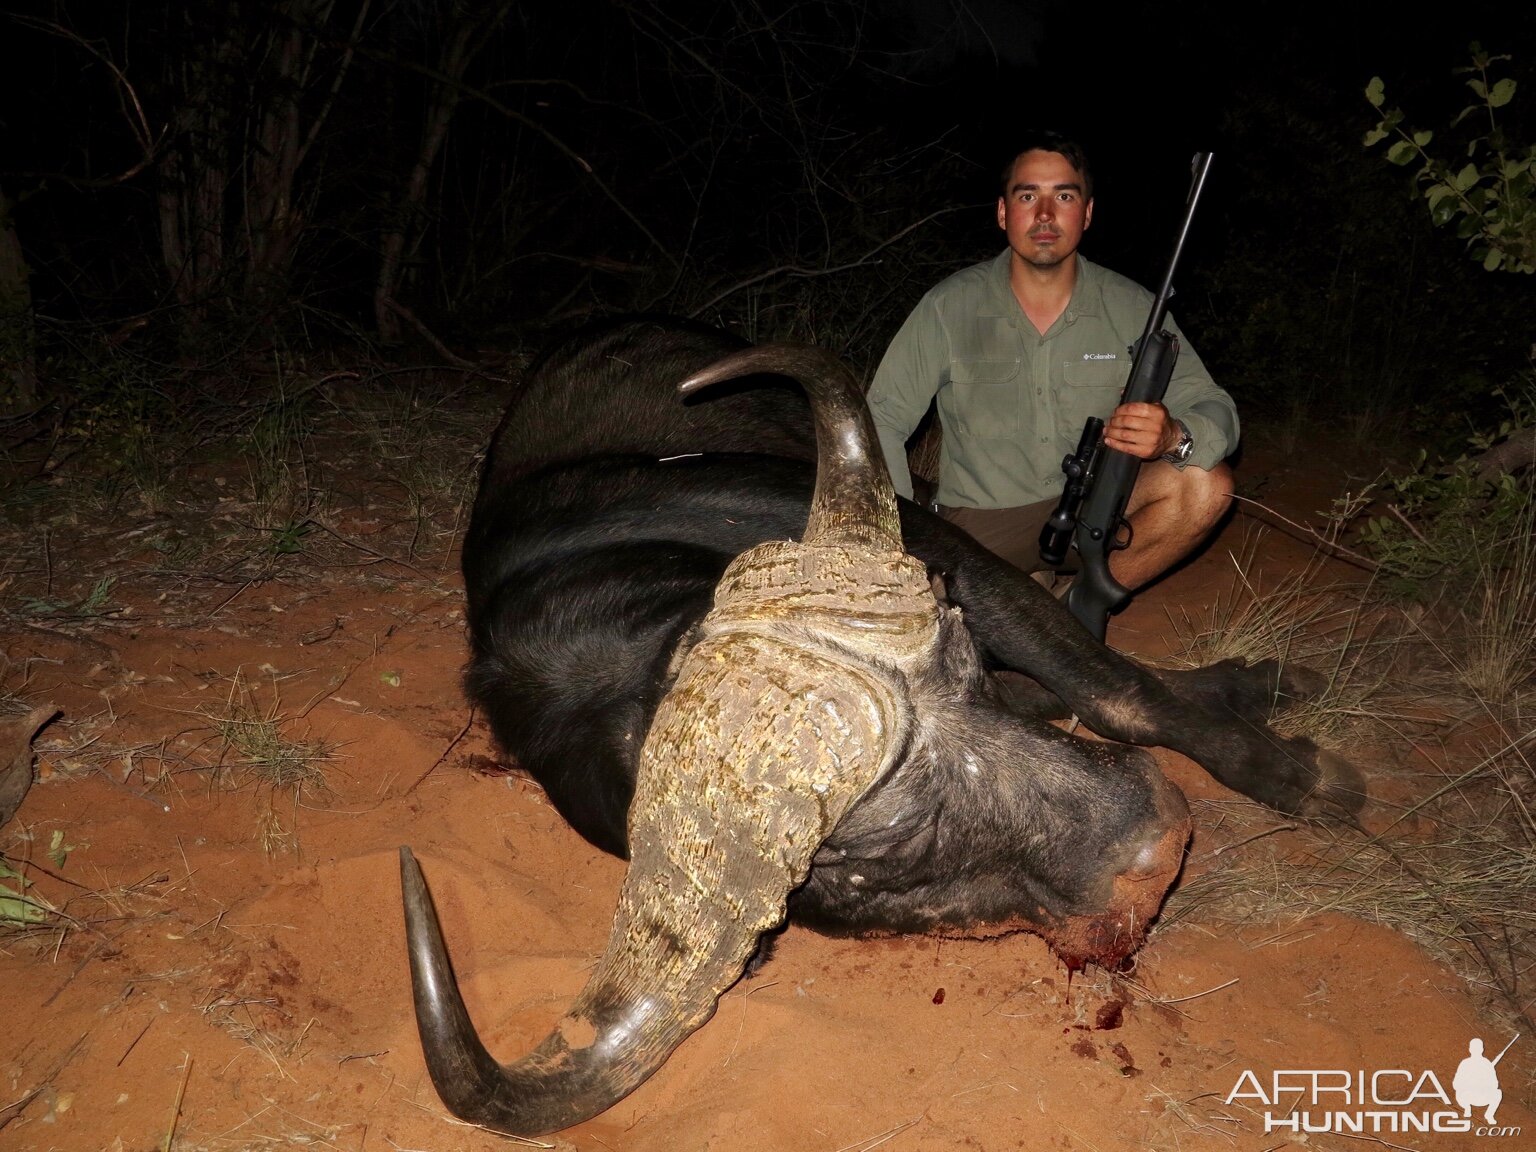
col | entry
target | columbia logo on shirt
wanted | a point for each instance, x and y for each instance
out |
(1101, 356)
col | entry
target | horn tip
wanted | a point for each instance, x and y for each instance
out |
(413, 886)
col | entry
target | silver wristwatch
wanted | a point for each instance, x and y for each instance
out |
(1179, 455)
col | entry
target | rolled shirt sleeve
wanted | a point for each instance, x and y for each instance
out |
(1206, 409)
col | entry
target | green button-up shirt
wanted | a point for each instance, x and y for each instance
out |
(1011, 401)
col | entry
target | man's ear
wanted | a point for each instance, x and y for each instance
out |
(1088, 214)
(1002, 213)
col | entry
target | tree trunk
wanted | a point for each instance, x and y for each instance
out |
(241, 109)
(274, 217)
(404, 227)
(18, 338)
(193, 170)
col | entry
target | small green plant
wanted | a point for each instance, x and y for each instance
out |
(274, 443)
(95, 602)
(1444, 524)
(122, 431)
(1490, 196)
(59, 849)
(288, 538)
(1454, 526)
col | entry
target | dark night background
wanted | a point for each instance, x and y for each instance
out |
(195, 185)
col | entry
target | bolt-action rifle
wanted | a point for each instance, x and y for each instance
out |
(1091, 514)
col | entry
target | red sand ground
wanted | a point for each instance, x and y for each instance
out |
(268, 995)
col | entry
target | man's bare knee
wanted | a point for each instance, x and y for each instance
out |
(1206, 494)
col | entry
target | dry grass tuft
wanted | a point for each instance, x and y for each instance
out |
(1198, 1122)
(1295, 620)
(1497, 657)
(1452, 863)
(1454, 870)
(256, 748)
(246, 1019)
(1331, 628)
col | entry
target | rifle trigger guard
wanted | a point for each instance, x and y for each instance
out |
(1117, 542)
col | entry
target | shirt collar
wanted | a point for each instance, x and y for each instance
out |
(1087, 291)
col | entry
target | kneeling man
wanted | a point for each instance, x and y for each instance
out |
(1020, 350)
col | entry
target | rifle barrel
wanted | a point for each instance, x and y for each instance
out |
(1505, 1049)
(1199, 167)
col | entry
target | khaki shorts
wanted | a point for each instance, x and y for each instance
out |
(1012, 533)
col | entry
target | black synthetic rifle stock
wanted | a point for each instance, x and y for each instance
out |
(1092, 509)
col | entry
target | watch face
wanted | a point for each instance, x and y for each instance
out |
(1183, 449)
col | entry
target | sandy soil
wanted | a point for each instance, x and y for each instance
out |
(235, 965)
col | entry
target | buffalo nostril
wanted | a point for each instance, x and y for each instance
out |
(1151, 858)
(1162, 843)
(1161, 852)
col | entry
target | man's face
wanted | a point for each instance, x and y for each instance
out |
(1044, 211)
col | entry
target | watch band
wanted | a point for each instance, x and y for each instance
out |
(1181, 451)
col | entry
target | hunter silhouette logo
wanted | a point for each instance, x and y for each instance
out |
(1477, 1080)
(1387, 1100)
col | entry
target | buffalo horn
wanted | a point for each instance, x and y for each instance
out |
(854, 500)
(766, 738)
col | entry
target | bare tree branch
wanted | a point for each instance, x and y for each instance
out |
(797, 271)
(138, 124)
(341, 73)
(1267, 515)
(1513, 454)
(428, 335)
(549, 137)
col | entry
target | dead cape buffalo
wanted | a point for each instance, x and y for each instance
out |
(821, 726)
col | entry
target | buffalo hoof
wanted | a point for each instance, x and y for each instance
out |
(1292, 683)
(1340, 792)
(1253, 691)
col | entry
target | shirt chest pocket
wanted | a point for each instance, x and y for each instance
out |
(1092, 389)
(982, 399)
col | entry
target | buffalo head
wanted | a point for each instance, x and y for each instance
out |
(828, 671)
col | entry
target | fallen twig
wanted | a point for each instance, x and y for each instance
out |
(181, 1091)
(451, 745)
(1267, 515)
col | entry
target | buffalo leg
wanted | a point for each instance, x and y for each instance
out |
(1215, 716)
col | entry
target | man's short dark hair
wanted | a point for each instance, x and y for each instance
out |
(1045, 140)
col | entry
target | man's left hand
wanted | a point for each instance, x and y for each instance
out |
(1145, 431)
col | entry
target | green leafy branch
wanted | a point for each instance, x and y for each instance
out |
(17, 909)
(1491, 194)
